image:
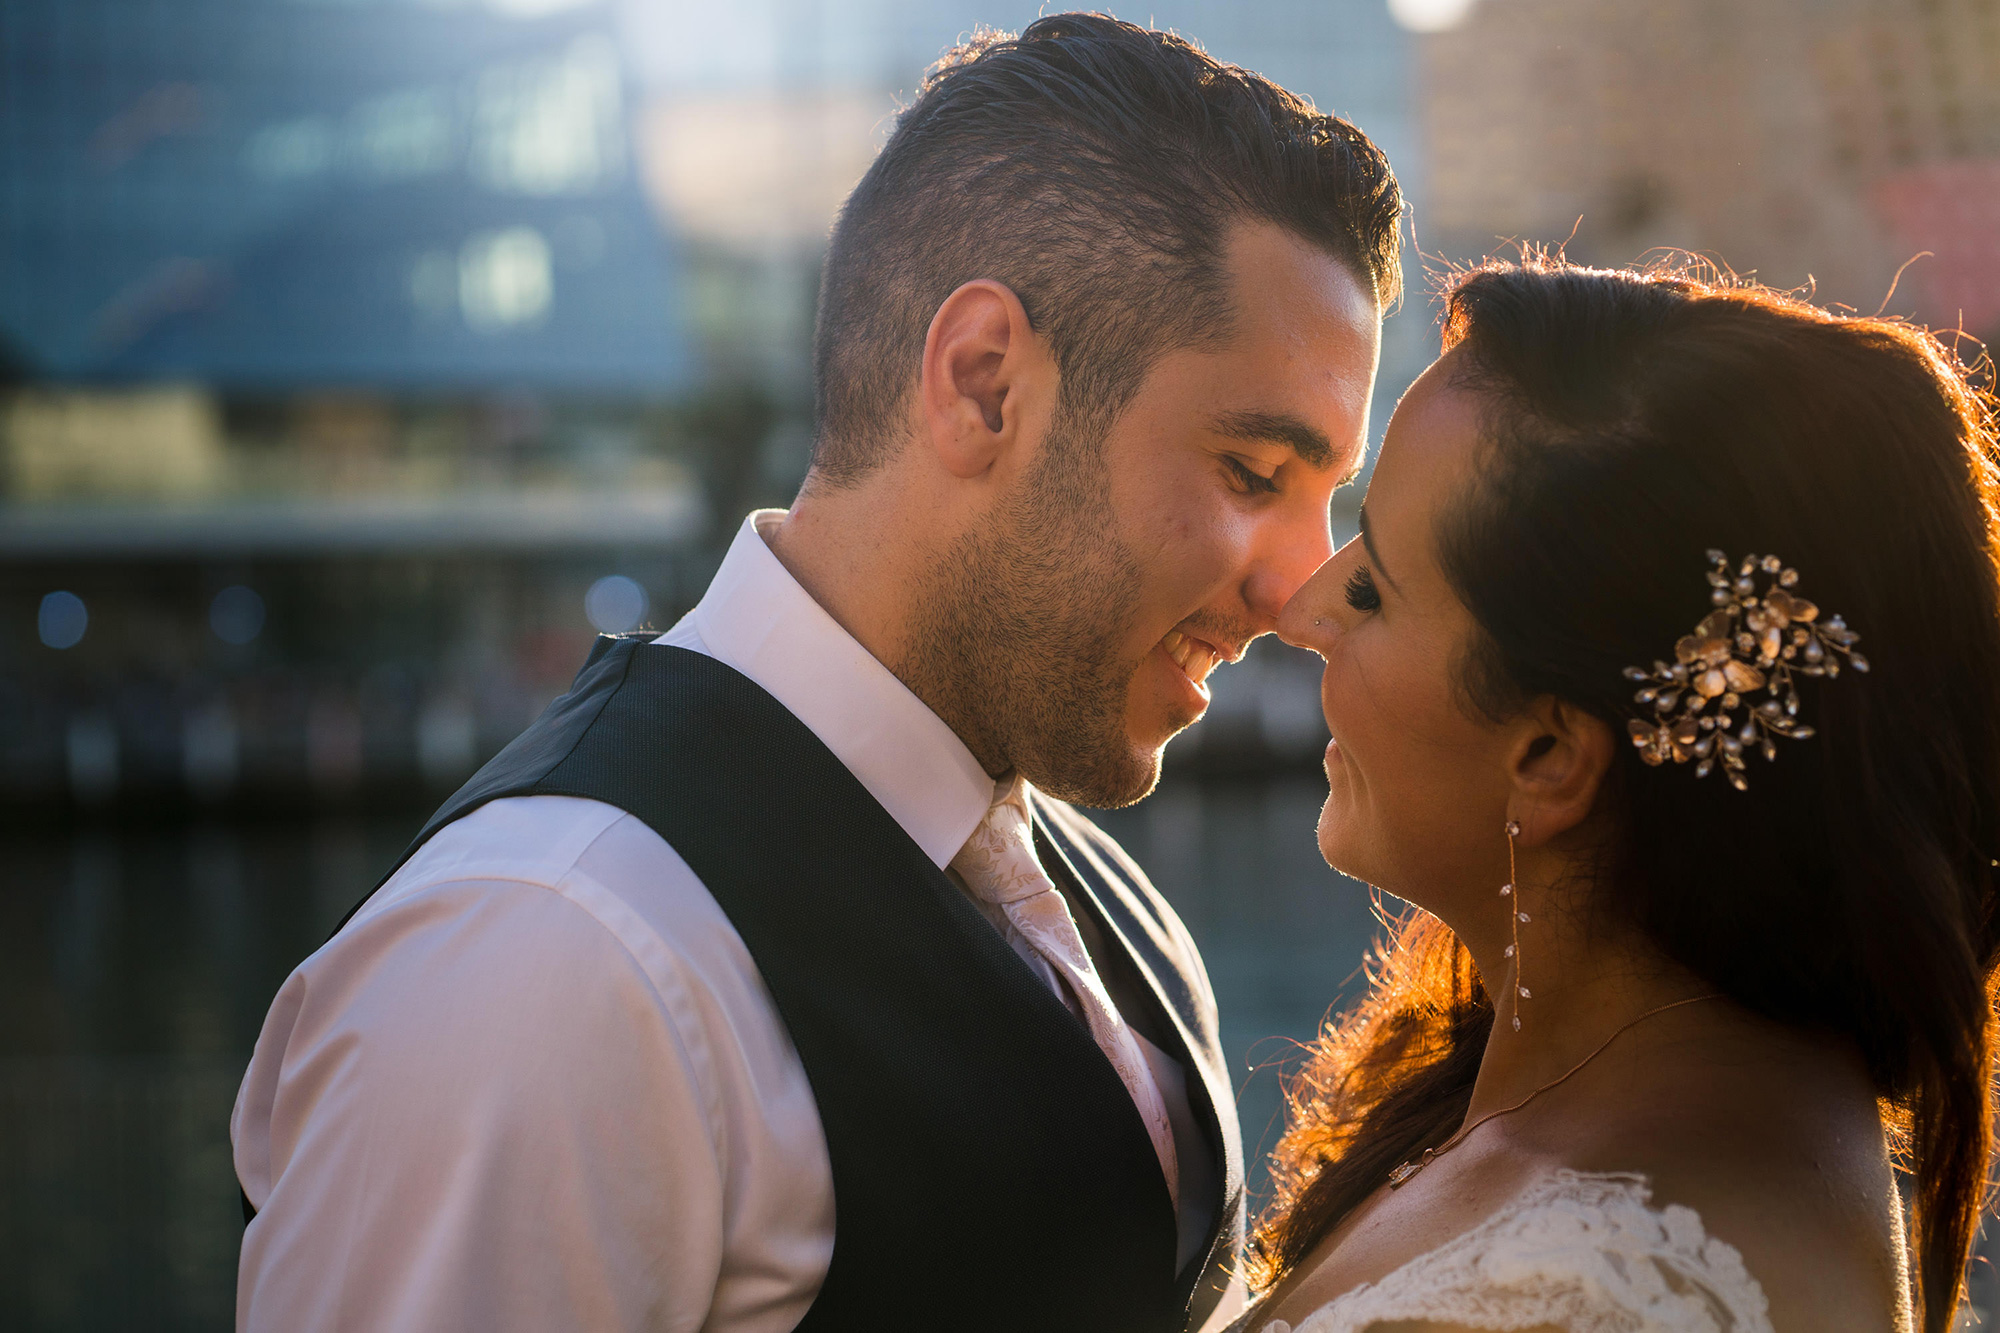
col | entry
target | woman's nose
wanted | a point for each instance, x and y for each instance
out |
(1305, 621)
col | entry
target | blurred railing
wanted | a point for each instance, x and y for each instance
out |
(350, 601)
(270, 739)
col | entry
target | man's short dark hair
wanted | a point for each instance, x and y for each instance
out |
(1095, 168)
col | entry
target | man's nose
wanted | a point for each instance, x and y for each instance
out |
(1288, 555)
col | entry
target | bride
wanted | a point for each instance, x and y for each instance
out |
(1708, 926)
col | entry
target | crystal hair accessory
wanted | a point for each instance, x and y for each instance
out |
(1754, 642)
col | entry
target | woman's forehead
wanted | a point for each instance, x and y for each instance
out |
(1427, 453)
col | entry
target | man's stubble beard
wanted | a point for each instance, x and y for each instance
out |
(1018, 634)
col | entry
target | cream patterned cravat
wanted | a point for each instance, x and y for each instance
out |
(998, 865)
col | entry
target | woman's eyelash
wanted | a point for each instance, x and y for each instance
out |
(1251, 479)
(1362, 594)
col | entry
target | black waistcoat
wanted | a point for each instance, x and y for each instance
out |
(990, 1171)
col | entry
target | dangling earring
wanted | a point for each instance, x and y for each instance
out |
(1516, 918)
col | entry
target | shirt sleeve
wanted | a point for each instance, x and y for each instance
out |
(475, 1109)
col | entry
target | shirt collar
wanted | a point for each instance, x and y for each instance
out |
(756, 618)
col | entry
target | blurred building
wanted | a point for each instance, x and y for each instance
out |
(1822, 140)
(356, 315)
(623, 197)
(256, 193)
(360, 358)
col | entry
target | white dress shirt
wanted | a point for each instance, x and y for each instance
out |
(538, 1082)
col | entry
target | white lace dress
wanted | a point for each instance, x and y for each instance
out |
(1584, 1253)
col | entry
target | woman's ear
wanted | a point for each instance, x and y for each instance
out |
(1557, 766)
(981, 357)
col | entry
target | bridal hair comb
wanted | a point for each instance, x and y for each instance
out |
(1752, 643)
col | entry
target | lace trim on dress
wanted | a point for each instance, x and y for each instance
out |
(1581, 1251)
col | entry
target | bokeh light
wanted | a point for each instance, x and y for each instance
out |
(615, 604)
(1430, 15)
(62, 620)
(236, 615)
(504, 279)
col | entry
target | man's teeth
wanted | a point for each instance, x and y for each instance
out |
(1192, 656)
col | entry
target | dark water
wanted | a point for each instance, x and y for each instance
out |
(136, 964)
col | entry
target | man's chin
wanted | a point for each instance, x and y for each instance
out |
(1143, 774)
(1145, 759)
(1134, 776)
(1114, 780)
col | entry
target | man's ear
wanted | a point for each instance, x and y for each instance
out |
(1556, 767)
(982, 364)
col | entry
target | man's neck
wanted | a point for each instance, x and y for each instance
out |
(862, 559)
(853, 572)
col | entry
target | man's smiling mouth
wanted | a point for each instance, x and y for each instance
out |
(1196, 657)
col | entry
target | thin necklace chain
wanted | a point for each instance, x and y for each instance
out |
(1410, 1168)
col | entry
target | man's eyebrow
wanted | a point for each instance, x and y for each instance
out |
(1369, 541)
(1312, 447)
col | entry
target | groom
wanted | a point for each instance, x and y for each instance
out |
(769, 980)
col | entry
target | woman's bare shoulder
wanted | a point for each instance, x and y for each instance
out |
(1761, 1164)
(1794, 1176)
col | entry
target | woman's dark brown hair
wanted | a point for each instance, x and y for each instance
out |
(1634, 422)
